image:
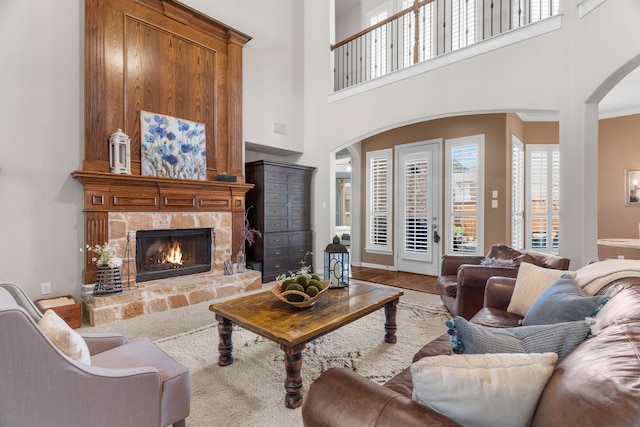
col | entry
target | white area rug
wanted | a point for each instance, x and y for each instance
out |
(250, 392)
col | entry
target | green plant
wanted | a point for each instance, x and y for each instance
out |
(107, 255)
(305, 270)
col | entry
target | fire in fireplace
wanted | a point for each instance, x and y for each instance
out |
(172, 252)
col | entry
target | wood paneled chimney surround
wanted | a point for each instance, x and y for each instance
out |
(163, 57)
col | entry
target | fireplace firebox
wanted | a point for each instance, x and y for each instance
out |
(172, 252)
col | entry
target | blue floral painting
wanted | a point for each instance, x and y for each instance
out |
(172, 147)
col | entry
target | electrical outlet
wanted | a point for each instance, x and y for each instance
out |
(45, 288)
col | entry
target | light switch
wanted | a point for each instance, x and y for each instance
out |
(494, 195)
(494, 203)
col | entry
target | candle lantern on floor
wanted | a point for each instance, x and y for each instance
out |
(336, 264)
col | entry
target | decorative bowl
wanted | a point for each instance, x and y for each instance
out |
(308, 301)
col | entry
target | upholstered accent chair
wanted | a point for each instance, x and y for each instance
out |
(463, 278)
(128, 383)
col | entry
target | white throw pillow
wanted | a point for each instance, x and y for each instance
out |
(483, 389)
(66, 339)
(531, 282)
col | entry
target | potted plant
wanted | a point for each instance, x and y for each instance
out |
(108, 281)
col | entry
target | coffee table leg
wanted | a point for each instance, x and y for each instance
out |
(225, 346)
(293, 383)
(390, 327)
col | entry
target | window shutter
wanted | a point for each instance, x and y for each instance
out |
(417, 209)
(379, 200)
(517, 193)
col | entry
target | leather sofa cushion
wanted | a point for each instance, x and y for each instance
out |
(600, 377)
(448, 285)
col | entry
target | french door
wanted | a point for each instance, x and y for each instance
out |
(418, 207)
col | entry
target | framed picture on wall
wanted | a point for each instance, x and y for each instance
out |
(632, 187)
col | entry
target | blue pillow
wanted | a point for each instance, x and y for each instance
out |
(559, 338)
(563, 301)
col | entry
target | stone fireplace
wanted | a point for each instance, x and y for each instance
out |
(128, 42)
(159, 293)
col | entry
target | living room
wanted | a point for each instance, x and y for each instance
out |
(287, 79)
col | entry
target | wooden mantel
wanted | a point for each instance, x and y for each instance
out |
(133, 193)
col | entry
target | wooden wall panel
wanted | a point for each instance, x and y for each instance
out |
(163, 57)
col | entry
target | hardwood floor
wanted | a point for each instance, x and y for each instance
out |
(413, 281)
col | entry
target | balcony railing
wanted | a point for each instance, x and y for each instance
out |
(428, 29)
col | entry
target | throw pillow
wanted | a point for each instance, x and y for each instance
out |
(563, 301)
(483, 389)
(530, 283)
(559, 338)
(502, 251)
(497, 262)
(64, 338)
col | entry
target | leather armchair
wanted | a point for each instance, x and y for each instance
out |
(129, 383)
(463, 278)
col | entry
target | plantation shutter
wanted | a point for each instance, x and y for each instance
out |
(517, 193)
(416, 205)
(379, 200)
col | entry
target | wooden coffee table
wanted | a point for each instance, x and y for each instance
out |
(262, 313)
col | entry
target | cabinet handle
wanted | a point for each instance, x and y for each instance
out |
(277, 265)
(277, 253)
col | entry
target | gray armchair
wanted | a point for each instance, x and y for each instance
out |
(130, 383)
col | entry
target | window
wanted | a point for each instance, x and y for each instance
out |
(378, 41)
(517, 193)
(379, 201)
(543, 197)
(465, 195)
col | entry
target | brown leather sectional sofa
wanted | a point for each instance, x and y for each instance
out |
(596, 384)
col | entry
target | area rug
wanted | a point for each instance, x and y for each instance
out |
(250, 392)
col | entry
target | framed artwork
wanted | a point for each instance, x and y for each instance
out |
(632, 187)
(171, 147)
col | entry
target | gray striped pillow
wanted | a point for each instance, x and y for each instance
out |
(559, 338)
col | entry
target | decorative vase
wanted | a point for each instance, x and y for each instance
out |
(108, 281)
(241, 261)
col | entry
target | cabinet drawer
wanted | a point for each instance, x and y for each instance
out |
(275, 186)
(273, 252)
(297, 254)
(279, 240)
(275, 198)
(297, 224)
(276, 175)
(276, 212)
(298, 211)
(276, 224)
(276, 266)
(300, 239)
(296, 198)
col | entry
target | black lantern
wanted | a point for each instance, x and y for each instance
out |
(336, 264)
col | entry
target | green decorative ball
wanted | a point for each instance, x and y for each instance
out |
(295, 298)
(295, 287)
(315, 276)
(312, 291)
(315, 282)
(285, 284)
(302, 280)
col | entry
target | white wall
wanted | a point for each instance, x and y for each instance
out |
(41, 113)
